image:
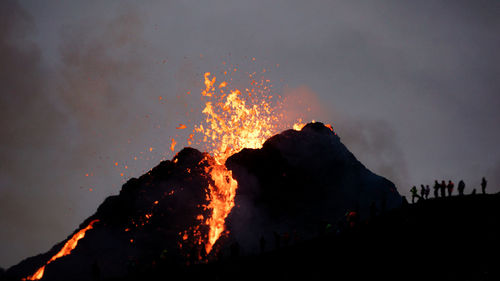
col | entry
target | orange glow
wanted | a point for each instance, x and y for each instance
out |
(66, 250)
(209, 84)
(232, 125)
(181, 127)
(298, 125)
(233, 121)
(172, 146)
(221, 195)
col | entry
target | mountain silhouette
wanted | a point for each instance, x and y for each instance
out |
(292, 190)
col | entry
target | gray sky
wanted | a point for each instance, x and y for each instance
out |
(411, 87)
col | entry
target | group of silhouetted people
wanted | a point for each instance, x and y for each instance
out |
(442, 189)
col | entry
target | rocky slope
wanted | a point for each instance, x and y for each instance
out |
(292, 189)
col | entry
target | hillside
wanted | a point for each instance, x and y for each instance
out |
(440, 239)
(293, 187)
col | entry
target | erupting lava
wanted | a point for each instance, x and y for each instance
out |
(231, 124)
(234, 120)
(66, 250)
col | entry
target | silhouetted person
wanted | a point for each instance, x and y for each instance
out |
(461, 187)
(443, 189)
(436, 189)
(483, 185)
(427, 191)
(473, 192)
(422, 191)
(262, 243)
(414, 194)
(450, 187)
(96, 271)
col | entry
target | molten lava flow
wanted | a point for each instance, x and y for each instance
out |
(221, 196)
(66, 250)
(233, 121)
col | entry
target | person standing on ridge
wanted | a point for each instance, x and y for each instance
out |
(461, 188)
(422, 191)
(414, 194)
(443, 189)
(483, 185)
(450, 188)
(436, 189)
(427, 191)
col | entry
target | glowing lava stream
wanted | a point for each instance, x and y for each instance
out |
(66, 250)
(230, 126)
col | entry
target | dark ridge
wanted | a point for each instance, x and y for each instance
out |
(299, 182)
(453, 238)
(296, 185)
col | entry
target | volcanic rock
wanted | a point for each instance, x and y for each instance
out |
(138, 229)
(300, 183)
(296, 185)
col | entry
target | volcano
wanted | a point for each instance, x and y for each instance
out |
(292, 189)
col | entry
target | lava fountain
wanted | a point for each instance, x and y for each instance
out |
(233, 120)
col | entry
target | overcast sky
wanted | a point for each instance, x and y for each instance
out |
(411, 87)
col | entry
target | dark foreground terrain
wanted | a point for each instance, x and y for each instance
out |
(438, 239)
(453, 238)
(292, 188)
